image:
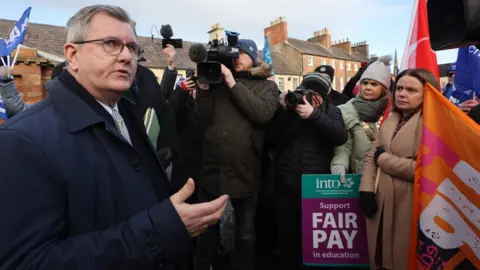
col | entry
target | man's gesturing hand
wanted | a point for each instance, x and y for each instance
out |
(170, 52)
(197, 217)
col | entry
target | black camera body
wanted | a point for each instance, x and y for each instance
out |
(218, 52)
(293, 98)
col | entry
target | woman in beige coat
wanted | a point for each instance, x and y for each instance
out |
(388, 207)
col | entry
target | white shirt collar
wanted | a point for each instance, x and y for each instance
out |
(108, 108)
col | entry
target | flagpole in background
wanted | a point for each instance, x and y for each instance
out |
(16, 54)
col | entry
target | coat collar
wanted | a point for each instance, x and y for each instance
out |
(403, 144)
(77, 107)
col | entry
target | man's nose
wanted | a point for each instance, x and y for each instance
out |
(126, 55)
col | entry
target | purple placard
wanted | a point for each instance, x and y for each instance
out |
(338, 237)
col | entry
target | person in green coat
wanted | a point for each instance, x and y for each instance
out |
(362, 116)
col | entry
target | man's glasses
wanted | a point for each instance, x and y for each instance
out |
(114, 46)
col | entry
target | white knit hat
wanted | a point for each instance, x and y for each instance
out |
(379, 71)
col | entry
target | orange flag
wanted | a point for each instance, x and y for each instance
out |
(446, 217)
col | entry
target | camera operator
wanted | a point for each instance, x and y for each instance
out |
(302, 139)
(233, 115)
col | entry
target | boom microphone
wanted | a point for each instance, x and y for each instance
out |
(197, 53)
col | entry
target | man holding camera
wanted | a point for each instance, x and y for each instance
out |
(233, 115)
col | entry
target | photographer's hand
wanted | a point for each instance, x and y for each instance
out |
(304, 110)
(228, 77)
(170, 52)
(190, 84)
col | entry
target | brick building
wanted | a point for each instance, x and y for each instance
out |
(305, 55)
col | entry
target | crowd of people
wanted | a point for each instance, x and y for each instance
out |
(87, 186)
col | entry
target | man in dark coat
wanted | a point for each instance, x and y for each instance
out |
(84, 187)
(233, 115)
(336, 98)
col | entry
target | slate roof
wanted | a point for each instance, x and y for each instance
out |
(281, 64)
(317, 49)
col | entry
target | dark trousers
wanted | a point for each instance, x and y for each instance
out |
(288, 212)
(243, 257)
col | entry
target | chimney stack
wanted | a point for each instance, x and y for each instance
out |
(344, 44)
(216, 32)
(323, 37)
(361, 48)
(277, 32)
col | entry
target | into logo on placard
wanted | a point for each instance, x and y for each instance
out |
(334, 184)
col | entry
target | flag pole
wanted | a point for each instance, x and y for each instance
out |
(16, 54)
(8, 60)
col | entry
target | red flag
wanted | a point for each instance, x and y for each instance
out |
(418, 52)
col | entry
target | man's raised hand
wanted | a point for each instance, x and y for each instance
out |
(197, 217)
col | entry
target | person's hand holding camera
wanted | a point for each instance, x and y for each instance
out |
(228, 77)
(304, 110)
(190, 84)
(170, 52)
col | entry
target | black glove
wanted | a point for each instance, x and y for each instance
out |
(359, 73)
(368, 203)
(377, 154)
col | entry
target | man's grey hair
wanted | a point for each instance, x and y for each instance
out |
(78, 25)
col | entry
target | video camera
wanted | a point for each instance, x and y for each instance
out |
(453, 24)
(209, 59)
(167, 34)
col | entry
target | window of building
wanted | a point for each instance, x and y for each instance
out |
(281, 84)
(342, 85)
(349, 66)
(341, 64)
(334, 84)
(295, 83)
(310, 61)
(355, 67)
(332, 63)
(324, 61)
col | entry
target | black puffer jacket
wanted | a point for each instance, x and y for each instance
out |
(304, 146)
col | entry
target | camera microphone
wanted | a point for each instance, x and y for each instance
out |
(197, 53)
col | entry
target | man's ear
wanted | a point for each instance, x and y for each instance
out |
(70, 50)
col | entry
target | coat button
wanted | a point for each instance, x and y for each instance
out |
(151, 244)
(159, 265)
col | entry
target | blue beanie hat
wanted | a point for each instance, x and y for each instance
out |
(249, 47)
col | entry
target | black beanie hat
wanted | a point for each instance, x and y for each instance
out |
(326, 69)
(316, 82)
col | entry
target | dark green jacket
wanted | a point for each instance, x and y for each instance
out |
(233, 121)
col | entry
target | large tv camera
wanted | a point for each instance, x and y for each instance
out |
(209, 59)
(453, 24)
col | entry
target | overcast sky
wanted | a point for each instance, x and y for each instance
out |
(384, 24)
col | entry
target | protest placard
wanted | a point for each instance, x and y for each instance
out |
(333, 227)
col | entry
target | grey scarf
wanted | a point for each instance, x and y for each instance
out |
(368, 110)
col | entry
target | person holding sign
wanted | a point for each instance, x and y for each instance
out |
(386, 199)
(362, 116)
